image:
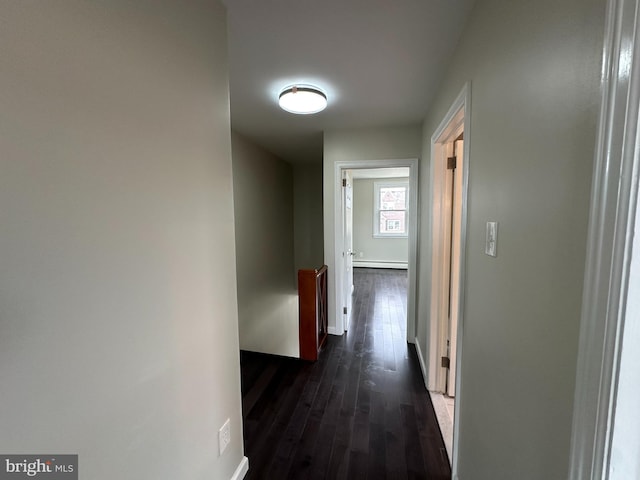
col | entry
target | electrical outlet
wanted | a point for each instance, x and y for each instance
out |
(224, 437)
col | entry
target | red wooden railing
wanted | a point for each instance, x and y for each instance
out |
(312, 296)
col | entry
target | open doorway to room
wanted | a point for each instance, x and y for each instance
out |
(376, 228)
(380, 222)
(449, 173)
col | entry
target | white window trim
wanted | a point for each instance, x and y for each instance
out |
(376, 207)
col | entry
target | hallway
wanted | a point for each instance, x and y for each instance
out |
(361, 411)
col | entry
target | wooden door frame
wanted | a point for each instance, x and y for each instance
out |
(337, 268)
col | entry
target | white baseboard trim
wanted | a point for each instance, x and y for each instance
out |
(374, 264)
(423, 367)
(242, 469)
(334, 331)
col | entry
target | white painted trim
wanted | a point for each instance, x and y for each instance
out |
(377, 185)
(423, 367)
(380, 264)
(337, 269)
(614, 189)
(466, 93)
(338, 239)
(451, 123)
(454, 121)
(241, 471)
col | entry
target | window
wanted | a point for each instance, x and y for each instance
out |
(390, 208)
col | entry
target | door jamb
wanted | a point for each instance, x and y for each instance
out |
(457, 119)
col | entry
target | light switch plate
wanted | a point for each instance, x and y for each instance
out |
(224, 436)
(491, 244)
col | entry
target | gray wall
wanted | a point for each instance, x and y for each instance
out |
(534, 69)
(267, 290)
(367, 247)
(119, 333)
(307, 216)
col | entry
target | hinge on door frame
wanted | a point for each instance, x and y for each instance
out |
(445, 362)
(344, 182)
(344, 310)
(451, 163)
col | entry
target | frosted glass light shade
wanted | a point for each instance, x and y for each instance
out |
(302, 99)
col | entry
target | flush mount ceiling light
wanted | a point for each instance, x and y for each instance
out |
(302, 99)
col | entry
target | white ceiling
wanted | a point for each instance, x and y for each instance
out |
(379, 61)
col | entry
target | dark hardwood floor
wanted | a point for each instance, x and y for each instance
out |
(360, 412)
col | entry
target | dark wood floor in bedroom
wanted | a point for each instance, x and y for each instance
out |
(360, 412)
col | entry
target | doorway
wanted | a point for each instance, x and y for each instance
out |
(342, 270)
(449, 177)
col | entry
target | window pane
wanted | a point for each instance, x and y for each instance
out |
(393, 222)
(393, 198)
